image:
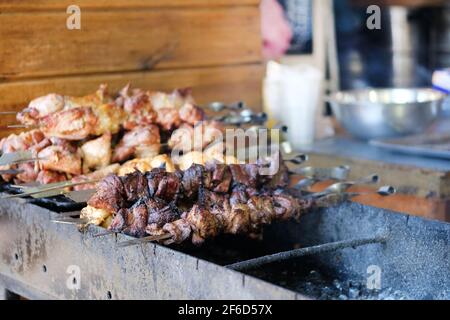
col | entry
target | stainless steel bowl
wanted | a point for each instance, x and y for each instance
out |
(379, 113)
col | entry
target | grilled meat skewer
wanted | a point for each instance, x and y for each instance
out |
(185, 184)
(210, 216)
(76, 118)
(116, 193)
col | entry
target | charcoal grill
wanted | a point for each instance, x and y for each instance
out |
(409, 259)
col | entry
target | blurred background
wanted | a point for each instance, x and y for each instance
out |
(411, 43)
(366, 83)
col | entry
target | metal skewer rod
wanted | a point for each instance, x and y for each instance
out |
(19, 126)
(67, 214)
(49, 189)
(27, 160)
(14, 126)
(102, 234)
(286, 255)
(11, 171)
(7, 112)
(69, 220)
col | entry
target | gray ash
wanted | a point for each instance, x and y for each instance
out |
(310, 281)
(318, 286)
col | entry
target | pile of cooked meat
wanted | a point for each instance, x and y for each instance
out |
(198, 203)
(83, 136)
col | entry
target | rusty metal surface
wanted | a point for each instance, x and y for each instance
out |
(37, 254)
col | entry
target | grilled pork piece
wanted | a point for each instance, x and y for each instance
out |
(96, 216)
(47, 176)
(163, 161)
(146, 164)
(233, 219)
(221, 177)
(204, 224)
(191, 114)
(96, 175)
(71, 124)
(93, 100)
(110, 118)
(60, 159)
(168, 118)
(96, 153)
(52, 103)
(119, 221)
(135, 186)
(40, 107)
(137, 105)
(162, 184)
(193, 178)
(180, 230)
(160, 212)
(136, 219)
(22, 142)
(188, 138)
(33, 141)
(143, 142)
(175, 100)
(246, 174)
(137, 164)
(28, 172)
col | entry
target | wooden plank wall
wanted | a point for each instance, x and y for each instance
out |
(212, 46)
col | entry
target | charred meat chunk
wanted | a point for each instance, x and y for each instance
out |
(220, 177)
(193, 178)
(135, 185)
(160, 212)
(180, 230)
(246, 174)
(163, 184)
(136, 220)
(204, 224)
(119, 221)
(110, 195)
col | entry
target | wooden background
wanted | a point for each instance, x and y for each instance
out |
(212, 46)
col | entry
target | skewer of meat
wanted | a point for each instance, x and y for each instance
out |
(212, 214)
(68, 160)
(216, 214)
(76, 118)
(88, 181)
(140, 113)
(213, 199)
(111, 195)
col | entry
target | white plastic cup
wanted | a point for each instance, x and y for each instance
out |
(300, 93)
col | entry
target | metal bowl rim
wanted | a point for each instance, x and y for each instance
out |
(334, 97)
